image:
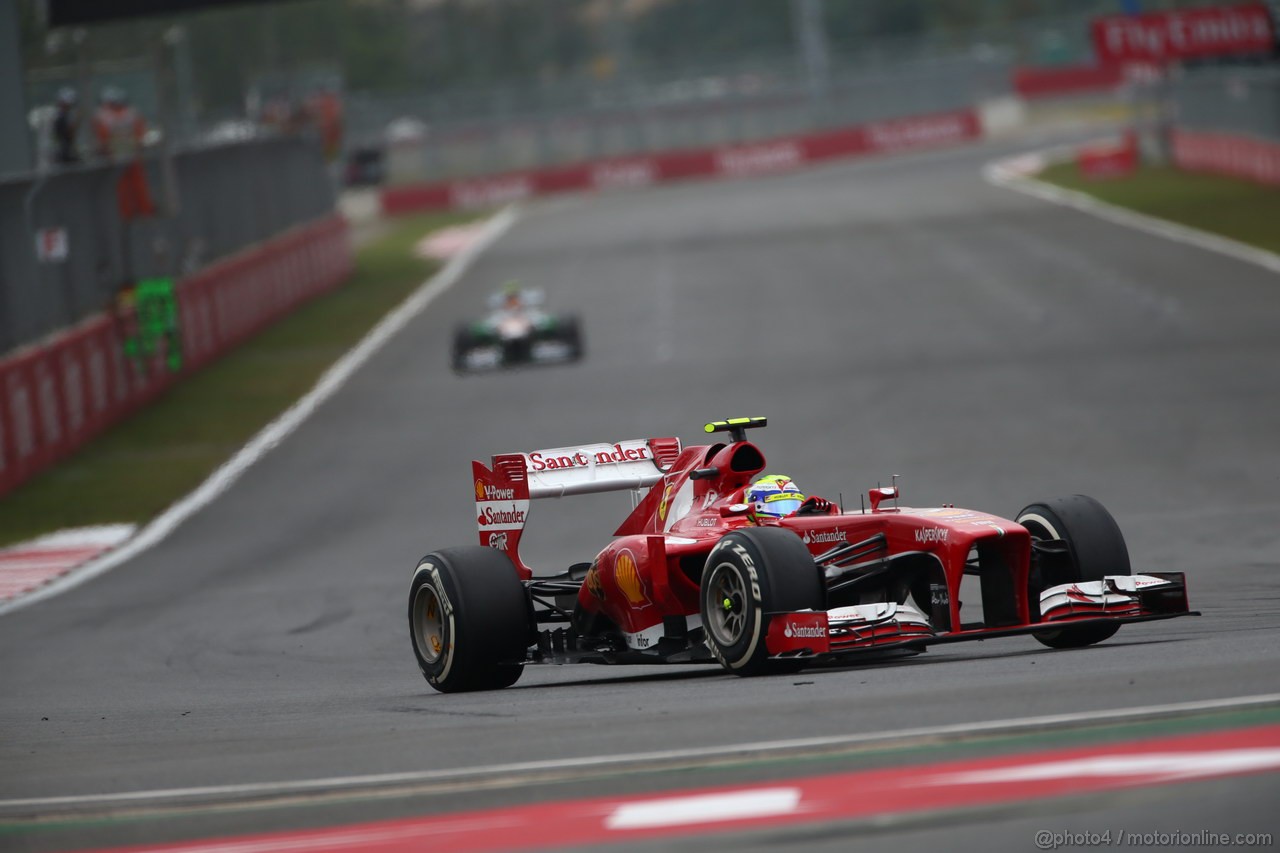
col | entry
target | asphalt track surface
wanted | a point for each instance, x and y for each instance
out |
(890, 316)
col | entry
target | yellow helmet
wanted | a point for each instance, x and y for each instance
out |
(773, 496)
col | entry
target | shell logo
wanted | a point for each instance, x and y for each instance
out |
(627, 576)
(479, 490)
(666, 501)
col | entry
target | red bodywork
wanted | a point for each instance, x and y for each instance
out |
(689, 498)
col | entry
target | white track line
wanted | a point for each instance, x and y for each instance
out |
(1015, 173)
(724, 806)
(279, 429)
(739, 750)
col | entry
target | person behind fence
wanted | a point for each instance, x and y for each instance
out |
(66, 128)
(120, 131)
(325, 110)
(118, 127)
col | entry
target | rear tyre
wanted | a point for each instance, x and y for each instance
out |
(468, 619)
(1095, 549)
(749, 574)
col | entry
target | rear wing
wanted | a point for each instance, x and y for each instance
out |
(503, 492)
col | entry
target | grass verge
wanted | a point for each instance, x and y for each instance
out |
(1230, 207)
(145, 463)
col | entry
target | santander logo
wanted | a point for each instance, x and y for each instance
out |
(755, 159)
(539, 461)
(630, 173)
(512, 514)
(802, 631)
(909, 132)
(825, 537)
(492, 192)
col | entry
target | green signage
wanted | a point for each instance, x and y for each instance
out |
(155, 306)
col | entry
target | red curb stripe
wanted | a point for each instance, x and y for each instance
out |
(832, 797)
(18, 573)
(46, 553)
(28, 564)
(26, 568)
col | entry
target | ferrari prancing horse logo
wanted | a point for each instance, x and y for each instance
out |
(666, 501)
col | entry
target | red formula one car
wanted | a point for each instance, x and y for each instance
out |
(696, 575)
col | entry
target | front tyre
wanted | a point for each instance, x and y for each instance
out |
(468, 619)
(463, 342)
(748, 575)
(572, 335)
(1095, 548)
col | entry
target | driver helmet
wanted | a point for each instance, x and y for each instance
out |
(511, 296)
(773, 496)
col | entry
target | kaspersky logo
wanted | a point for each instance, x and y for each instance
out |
(485, 492)
(804, 631)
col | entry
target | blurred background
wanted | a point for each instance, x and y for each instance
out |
(146, 138)
(406, 90)
(176, 176)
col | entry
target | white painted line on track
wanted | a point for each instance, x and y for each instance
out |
(1168, 767)
(738, 750)
(705, 808)
(1015, 173)
(279, 429)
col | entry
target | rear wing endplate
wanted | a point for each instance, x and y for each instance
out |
(503, 492)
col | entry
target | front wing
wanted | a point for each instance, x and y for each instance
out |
(495, 354)
(1116, 599)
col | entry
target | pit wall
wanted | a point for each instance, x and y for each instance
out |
(782, 154)
(58, 394)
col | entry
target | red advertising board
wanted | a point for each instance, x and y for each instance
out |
(1227, 154)
(780, 154)
(1110, 159)
(1035, 82)
(1186, 34)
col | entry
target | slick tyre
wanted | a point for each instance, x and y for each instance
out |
(469, 620)
(463, 342)
(1095, 548)
(572, 335)
(749, 574)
